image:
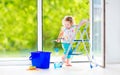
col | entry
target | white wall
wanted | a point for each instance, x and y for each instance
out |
(113, 31)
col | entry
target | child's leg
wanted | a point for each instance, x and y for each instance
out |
(67, 60)
(68, 63)
(63, 58)
(65, 47)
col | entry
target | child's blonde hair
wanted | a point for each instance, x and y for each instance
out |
(68, 18)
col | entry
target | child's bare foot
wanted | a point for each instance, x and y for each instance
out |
(68, 62)
(68, 65)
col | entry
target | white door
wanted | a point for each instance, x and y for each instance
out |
(98, 32)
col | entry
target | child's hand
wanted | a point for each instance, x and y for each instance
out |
(83, 22)
(58, 40)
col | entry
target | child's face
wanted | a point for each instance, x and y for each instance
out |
(67, 24)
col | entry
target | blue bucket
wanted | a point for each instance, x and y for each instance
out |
(40, 59)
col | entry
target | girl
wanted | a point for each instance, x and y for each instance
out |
(67, 34)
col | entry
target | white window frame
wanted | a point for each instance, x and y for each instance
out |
(39, 25)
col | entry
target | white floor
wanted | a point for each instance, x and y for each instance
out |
(76, 69)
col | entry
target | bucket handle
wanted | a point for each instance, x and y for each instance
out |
(30, 58)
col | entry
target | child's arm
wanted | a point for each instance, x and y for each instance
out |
(82, 23)
(60, 36)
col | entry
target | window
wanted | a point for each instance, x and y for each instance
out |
(18, 28)
(53, 11)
